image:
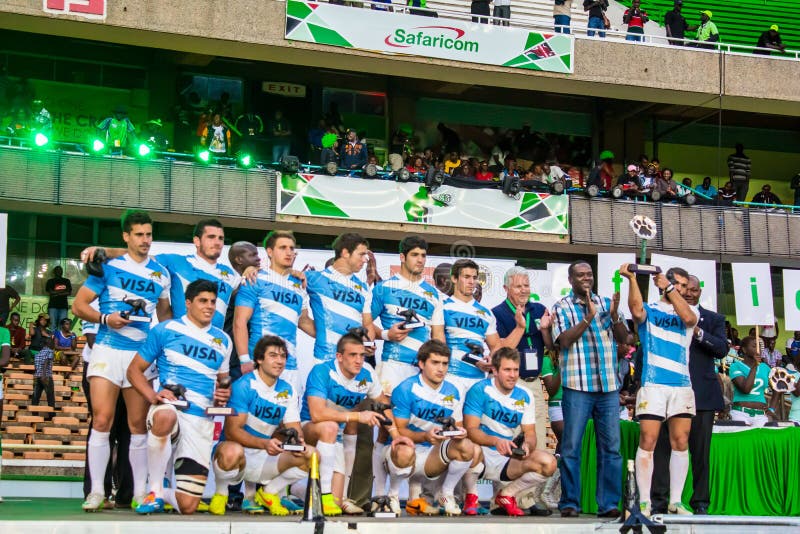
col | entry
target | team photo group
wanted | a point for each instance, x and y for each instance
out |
(414, 390)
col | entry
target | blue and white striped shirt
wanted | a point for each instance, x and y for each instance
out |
(466, 322)
(589, 364)
(501, 415)
(266, 406)
(665, 340)
(421, 405)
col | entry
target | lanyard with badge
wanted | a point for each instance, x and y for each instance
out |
(530, 356)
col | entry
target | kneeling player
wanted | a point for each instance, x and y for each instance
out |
(495, 410)
(249, 449)
(334, 391)
(191, 353)
(420, 405)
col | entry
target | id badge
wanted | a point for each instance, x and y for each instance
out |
(531, 359)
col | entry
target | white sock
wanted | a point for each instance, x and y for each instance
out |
(327, 458)
(644, 473)
(168, 494)
(470, 479)
(223, 478)
(159, 451)
(455, 470)
(379, 469)
(349, 445)
(290, 476)
(414, 487)
(137, 453)
(678, 469)
(526, 481)
(99, 451)
(298, 489)
(249, 490)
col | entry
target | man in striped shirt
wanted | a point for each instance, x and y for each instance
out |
(587, 328)
(739, 172)
(665, 332)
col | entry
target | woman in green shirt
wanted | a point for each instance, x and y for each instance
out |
(750, 378)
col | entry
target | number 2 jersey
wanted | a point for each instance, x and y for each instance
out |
(501, 415)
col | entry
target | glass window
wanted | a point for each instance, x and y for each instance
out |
(19, 225)
(124, 77)
(17, 265)
(39, 68)
(47, 256)
(109, 233)
(48, 227)
(77, 72)
(370, 103)
(80, 230)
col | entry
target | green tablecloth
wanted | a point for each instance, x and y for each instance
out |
(753, 472)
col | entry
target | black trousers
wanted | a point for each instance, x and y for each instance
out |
(118, 472)
(44, 384)
(700, 451)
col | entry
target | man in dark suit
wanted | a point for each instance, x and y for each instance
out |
(709, 342)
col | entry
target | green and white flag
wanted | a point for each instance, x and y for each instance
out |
(752, 290)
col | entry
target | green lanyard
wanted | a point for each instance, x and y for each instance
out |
(527, 322)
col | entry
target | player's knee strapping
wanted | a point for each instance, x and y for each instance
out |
(190, 477)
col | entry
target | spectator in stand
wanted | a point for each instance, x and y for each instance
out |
(739, 172)
(510, 169)
(43, 377)
(648, 179)
(66, 340)
(484, 174)
(635, 18)
(217, 136)
(117, 130)
(562, 16)
(771, 40)
(7, 294)
(354, 153)
(480, 7)
(39, 333)
(58, 288)
(330, 143)
(452, 163)
(769, 354)
(417, 165)
(707, 32)
(281, 131)
(597, 17)
(792, 349)
(502, 12)
(603, 174)
(630, 181)
(552, 173)
(17, 333)
(687, 182)
(667, 185)
(425, 12)
(465, 170)
(726, 195)
(707, 189)
(766, 196)
(675, 24)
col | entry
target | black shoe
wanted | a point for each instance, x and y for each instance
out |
(569, 512)
(701, 510)
(661, 511)
(610, 514)
(539, 511)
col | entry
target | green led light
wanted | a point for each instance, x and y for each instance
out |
(40, 139)
(143, 150)
(98, 145)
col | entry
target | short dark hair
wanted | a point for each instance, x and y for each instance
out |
(672, 271)
(460, 265)
(574, 264)
(200, 286)
(348, 241)
(264, 343)
(504, 353)
(274, 235)
(410, 242)
(131, 217)
(11, 316)
(432, 346)
(200, 227)
(348, 339)
(747, 339)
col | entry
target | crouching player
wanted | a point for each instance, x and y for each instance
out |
(250, 448)
(421, 405)
(333, 405)
(191, 353)
(495, 411)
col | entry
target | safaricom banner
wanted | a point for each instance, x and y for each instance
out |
(397, 33)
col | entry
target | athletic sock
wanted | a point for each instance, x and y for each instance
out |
(678, 469)
(159, 451)
(99, 451)
(414, 487)
(249, 490)
(526, 481)
(470, 478)
(223, 478)
(168, 494)
(327, 459)
(644, 473)
(349, 445)
(290, 476)
(379, 468)
(455, 471)
(137, 453)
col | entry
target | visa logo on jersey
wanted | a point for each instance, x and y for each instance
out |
(347, 297)
(430, 414)
(509, 419)
(667, 321)
(199, 352)
(347, 401)
(268, 412)
(289, 299)
(137, 285)
(414, 303)
(470, 322)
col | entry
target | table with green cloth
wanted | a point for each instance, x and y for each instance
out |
(752, 472)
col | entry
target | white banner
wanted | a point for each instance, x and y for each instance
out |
(752, 289)
(541, 287)
(559, 280)
(791, 299)
(609, 281)
(458, 40)
(3, 247)
(704, 270)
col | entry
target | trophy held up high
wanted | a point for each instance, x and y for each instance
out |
(645, 229)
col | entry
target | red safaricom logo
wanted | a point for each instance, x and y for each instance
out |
(431, 37)
(91, 9)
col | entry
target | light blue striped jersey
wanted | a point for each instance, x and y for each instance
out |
(266, 406)
(665, 341)
(123, 278)
(589, 364)
(337, 303)
(760, 385)
(398, 294)
(463, 322)
(501, 415)
(277, 302)
(186, 269)
(326, 381)
(416, 401)
(191, 356)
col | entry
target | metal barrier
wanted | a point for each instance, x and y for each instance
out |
(729, 231)
(71, 178)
